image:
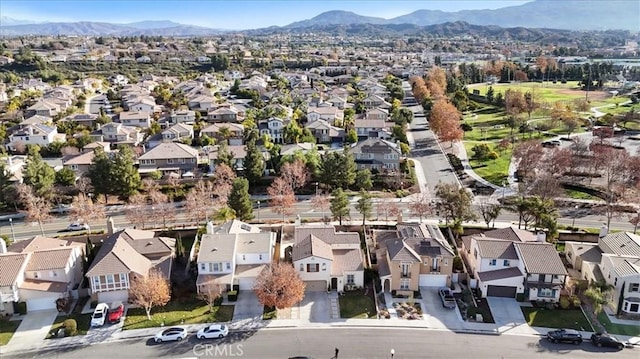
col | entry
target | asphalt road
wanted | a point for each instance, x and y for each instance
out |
(367, 343)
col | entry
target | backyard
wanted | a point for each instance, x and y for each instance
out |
(83, 322)
(191, 311)
(556, 318)
(7, 328)
(357, 305)
(621, 329)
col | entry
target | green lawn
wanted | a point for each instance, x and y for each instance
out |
(269, 313)
(621, 329)
(176, 313)
(495, 171)
(621, 109)
(579, 195)
(547, 92)
(83, 322)
(357, 305)
(7, 328)
(556, 318)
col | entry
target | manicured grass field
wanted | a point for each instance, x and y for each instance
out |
(547, 91)
(7, 328)
(632, 330)
(495, 171)
(357, 305)
(556, 318)
(176, 313)
(83, 322)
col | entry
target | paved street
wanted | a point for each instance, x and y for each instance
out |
(369, 343)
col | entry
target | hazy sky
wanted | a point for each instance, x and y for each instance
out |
(223, 14)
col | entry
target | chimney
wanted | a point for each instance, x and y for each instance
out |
(541, 236)
(604, 230)
(3, 246)
(209, 227)
(111, 227)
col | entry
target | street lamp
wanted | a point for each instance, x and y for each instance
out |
(317, 188)
(13, 235)
(575, 214)
(393, 352)
(504, 187)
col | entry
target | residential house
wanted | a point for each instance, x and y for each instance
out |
(40, 135)
(329, 114)
(125, 255)
(515, 263)
(202, 103)
(274, 127)
(83, 119)
(413, 256)
(366, 128)
(37, 120)
(614, 260)
(45, 108)
(326, 259)
(178, 132)
(118, 133)
(39, 271)
(325, 132)
(377, 114)
(375, 101)
(184, 116)
(145, 104)
(231, 132)
(223, 114)
(79, 163)
(238, 152)
(169, 157)
(377, 154)
(233, 255)
(140, 119)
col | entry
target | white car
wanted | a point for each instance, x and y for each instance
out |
(170, 334)
(78, 227)
(99, 315)
(213, 331)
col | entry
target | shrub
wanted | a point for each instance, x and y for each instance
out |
(94, 304)
(232, 295)
(457, 263)
(70, 327)
(564, 302)
(393, 293)
(575, 301)
(218, 301)
(417, 294)
(520, 297)
(22, 308)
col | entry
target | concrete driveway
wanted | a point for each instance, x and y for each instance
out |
(247, 306)
(435, 314)
(33, 329)
(506, 312)
(315, 307)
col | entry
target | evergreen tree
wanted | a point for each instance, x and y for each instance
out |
(224, 155)
(179, 247)
(39, 175)
(239, 199)
(125, 176)
(351, 137)
(253, 162)
(364, 205)
(5, 183)
(66, 177)
(363, 180)
(339, 205)
(100, 173)
(338, 169)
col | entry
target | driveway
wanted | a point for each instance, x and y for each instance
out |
(247, 306)
(506, 312)
(435, 314)
(33, 329)
(315, 307)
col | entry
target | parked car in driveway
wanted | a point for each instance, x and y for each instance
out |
(78, 227)
(213, 331)
(448, 301)
(171, 334)
(116, 312)
(99, 315)
(606, 340)
(565, 335)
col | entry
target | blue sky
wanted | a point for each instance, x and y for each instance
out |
(223, 14)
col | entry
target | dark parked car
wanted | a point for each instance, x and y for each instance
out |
(565, 335)
(606, 340)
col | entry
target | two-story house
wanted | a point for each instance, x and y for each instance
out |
(274, 127)
(83, 119)
(40, 135)
(377, 114)
(45, 108)
(326, 259)
(614, 260)
(118, 133)
(366, 128)
(178, 132)
(169, 157)
(233, 255)
(184, 116)
(231, 132)
(413, 256)
(377, 154)
(144, 104)
(223, 114)
(325, 132)
(375, 101)
(330, 114)
(123, 256)
(140, 119)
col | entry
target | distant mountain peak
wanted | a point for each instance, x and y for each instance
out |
(153, 24)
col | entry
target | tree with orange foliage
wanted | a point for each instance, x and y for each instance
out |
(419, 88)
(279, 286)
(150, 291)
(445, 121)
(282, 197)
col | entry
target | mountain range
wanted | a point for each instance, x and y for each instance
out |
(550, 14)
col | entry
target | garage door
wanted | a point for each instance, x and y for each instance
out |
(316, 285)
(41, 304)
(246, 283)
(115, 296)
(433, 280)
(501, 291)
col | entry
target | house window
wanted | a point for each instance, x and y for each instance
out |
(634, 287)
(324, 267)
(203, 267)
(546, 293)
(244, 257)
(260, 256)
(435, 264)
(351, 279)
(445, 262)
(492, 262)
(405, 269)
(109, 278)
(633, 308)
(169, 161)
(506, 263)
(217, 267)
(301, 267)
(313, 267)
(404, 284)
(96, 282)
(228, 266)
(123, 279)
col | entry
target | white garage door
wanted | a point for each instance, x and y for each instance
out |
(246, 283)
(433, 280)
(41, 304)
(115, 296)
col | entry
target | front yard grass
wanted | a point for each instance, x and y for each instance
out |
(357, 305)
(176, 313)
(621, 329)
(7, 328)
(556, 318)
(83, 322)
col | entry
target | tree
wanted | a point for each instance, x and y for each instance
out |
(339, 205)
(37, 207)
(253, 162)
(338, 170)
(454, 203)
(615, 167)
(150, 291)
(321, 201)
(65, 177)
(364, 205)
(223, 180)
(445, 121)
(420, 205)
(281, 197)
(224, 214)
(489, 212)
(363, 179)
(292, 132)
(137, 211)
(239, 199)
(352, 136)
(279, 286)
(162, 207)
(86, 210)
(100, 173)
(527, 155)
(600, 296)
(124, 174)
(199, 201)
(210, 292)
(295, 173)
(38, 174)
(225, 156)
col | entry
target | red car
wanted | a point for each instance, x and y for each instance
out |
(115, 313)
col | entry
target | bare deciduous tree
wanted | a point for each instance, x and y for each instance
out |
(85, 210)
(209, 292)
(321, 201)
(281, 197)
(421, 205)
(295, 173)
(38, 208)
(489, 212)
(163, 207)
(137, 211)
(150, 291)
(223, 182)
(279, 286)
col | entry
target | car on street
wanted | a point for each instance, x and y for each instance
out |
(213, 331)
(606, 340)
(115, 313)
(78, 227)
(99, 315)
(170, 334)
(448, 301)
(551, 143)
(564, 335)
